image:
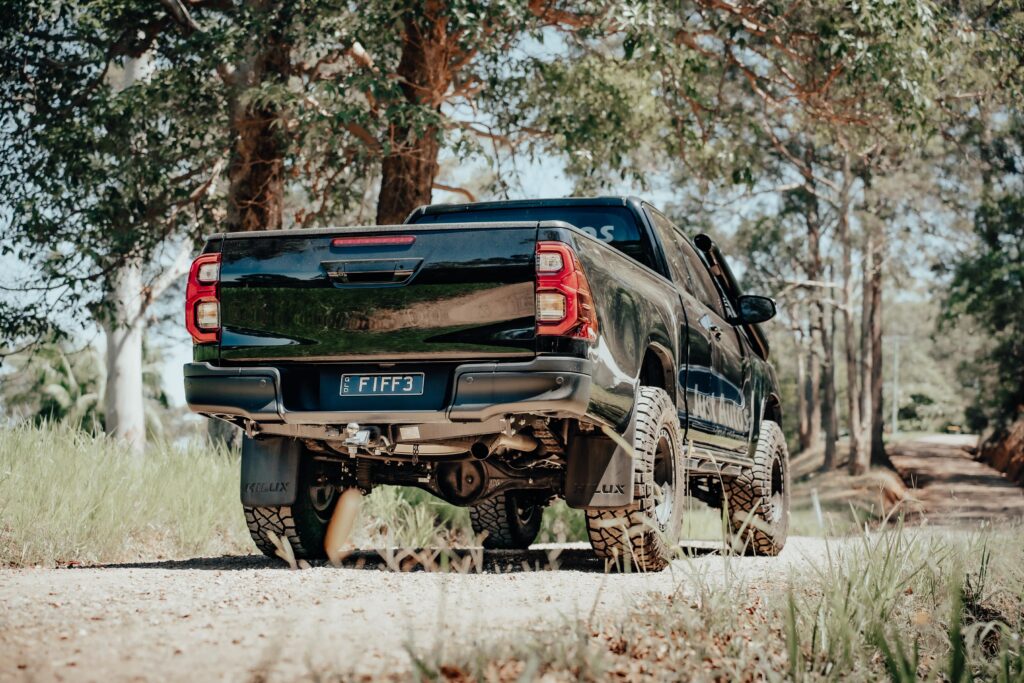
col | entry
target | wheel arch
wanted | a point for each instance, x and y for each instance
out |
(657, 369)
(773, 408)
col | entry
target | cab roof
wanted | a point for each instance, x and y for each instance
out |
(434, 209)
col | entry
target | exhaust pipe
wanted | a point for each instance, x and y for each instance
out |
(483, 448)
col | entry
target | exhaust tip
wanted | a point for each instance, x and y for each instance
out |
(480, 450)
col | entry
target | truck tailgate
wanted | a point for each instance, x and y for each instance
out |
(394, 293)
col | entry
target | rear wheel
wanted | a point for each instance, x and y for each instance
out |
(645, 534)
(303, 523)
(507, 521)
(758, 500)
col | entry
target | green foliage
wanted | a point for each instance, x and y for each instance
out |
(988, 283)
(588, 110)
(108, 144)
(54, 383)
(120, 121)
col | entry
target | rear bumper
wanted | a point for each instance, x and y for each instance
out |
(481, 391)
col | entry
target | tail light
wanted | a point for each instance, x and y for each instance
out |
(202, 301)
(565, 306)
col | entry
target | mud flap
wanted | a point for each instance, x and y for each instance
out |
(599, 474)
(270, 471)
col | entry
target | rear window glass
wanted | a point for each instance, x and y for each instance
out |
(614, 225)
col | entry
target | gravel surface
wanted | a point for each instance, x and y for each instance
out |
(239, 618)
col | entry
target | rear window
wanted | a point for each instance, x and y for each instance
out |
(612, 224)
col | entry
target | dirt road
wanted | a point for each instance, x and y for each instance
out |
(248, 618)
(241, 618)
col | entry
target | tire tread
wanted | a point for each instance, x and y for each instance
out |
(626, 535)
(495, 517)
(748, 497)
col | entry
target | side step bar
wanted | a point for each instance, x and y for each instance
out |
(703, 461)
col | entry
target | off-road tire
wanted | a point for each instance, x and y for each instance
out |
(507, 521)
(757, 500)
(304, 523)
(634, 536)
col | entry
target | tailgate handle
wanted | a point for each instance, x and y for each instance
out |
(371, 271)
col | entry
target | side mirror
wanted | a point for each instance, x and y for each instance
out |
(755, 309)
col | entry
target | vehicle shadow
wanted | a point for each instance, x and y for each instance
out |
(459, 560)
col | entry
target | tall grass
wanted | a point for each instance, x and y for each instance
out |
(70, 496)
(410, 518)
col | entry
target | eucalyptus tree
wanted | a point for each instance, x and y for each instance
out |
(985, 151)
(129, 129)
(343, 93)
(108, 156)
(793, 100)
(444, 84)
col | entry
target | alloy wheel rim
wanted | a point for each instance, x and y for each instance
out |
(777, 490)
(664, 483)
(321, 495)
(524, 514)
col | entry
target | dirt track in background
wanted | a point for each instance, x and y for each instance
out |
(249, 618)
(954, 488)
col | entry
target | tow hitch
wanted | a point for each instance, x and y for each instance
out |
(366, 438)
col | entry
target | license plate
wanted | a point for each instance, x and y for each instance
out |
(410, 384)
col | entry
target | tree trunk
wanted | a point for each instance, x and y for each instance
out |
(256, 168)
(803, 426)
(878, 454)
(122, 322)
(826, 323)
(424, 73)
(866, 352)
(822, 314)
(849, 324)
(812, 393)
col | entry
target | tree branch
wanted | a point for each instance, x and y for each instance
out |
(181, 16)
(456, 190)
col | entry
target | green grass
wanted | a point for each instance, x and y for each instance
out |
(69, 496)
(410, 518)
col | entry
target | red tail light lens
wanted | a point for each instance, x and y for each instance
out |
(565, 306)
(202, 299)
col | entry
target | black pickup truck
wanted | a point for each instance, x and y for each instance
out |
(499, 355)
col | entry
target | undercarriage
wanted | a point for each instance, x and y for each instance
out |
(529, 454)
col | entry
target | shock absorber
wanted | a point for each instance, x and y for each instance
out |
(364, 475)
